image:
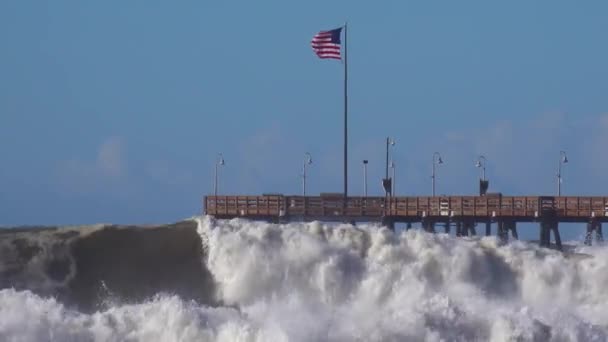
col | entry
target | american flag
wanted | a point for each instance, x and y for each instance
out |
(326, 44)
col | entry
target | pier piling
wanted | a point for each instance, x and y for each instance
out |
(428, 226)
(388, 223)
(503, 233)
(460, 231)
(546, 227)
(594, 225)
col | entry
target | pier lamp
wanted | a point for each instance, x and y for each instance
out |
(307, 161)
(218, 162)
(563, 159)
(481, 162)
(392, 165)
(365, 177)
(389, 142)
(436, 161)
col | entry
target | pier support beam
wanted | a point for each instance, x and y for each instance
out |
(502, 231)
(596, 226)
(469, 227)
(511, 226)
(428, 226)
(460, 229)
(556, 236)
(544, 238)
(447, 228)
(488, 228)
(546, 226)
(465, 228)
(388, 223)
(514, 231)
(589, 235)
(274, 220)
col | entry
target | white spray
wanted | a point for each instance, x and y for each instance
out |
(318, 282)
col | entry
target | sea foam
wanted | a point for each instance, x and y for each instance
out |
(337, 282)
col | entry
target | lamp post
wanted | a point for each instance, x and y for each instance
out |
(393, 178)
(563, 159)
(365, 177)
(307, 161)
(218, 162)
(436, 160)
(481, 162)
(389, 142)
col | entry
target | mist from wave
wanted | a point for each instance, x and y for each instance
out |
(322, 282)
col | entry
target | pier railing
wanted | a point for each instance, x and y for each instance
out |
(522, 208)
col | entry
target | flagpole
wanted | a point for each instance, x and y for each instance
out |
(345, 116)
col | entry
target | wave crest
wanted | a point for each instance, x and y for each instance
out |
(321, 282)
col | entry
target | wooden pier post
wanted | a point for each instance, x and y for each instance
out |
(470, 227)
(460, 228)
(594, 225)
(429, 226)
(388, 223)
(546, 226)
(589, 235)
(510, 226)
(513, 228)
(503, 234)
(447, 227)
(544, 239)
(556, 236)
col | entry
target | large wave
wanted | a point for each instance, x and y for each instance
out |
(88, 266)
(318, 282)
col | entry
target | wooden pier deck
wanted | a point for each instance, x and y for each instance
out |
(463, 212)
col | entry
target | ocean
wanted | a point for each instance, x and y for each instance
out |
(236, 280)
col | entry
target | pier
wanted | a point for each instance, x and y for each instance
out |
(463, 213)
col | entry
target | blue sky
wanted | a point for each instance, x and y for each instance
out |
(114, 111)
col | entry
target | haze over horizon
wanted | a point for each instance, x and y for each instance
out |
(114, 112)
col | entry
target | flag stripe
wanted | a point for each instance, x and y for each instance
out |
(321, 45)
(326, 48)
(328, 52)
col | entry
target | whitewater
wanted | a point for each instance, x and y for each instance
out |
(302, 282)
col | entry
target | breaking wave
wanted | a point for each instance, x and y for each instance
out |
(88, 267)
(236, 280)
